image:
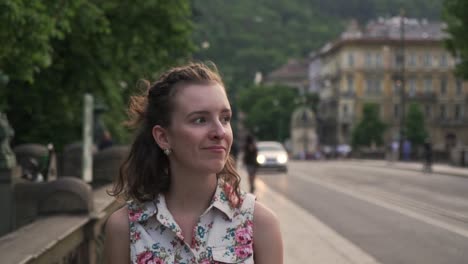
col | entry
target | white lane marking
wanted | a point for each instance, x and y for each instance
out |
(379, 202)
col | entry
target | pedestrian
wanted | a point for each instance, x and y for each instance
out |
(106, 141)
(395, 148)
(406, 150)
(184, 204)
(427, 146)
(250, 160)
(234, 151)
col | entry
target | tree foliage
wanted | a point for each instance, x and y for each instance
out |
(455, 14)
(100, 47)
(370, 129)
(415, 129)
(268, 110)
(247, 36)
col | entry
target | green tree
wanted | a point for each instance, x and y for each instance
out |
(415, 129)
(104, 49)
(370, 129)
(268, 110)
(455, 14)
(244, 37)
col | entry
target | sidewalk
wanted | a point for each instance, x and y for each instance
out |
(306, 239)
(416, 166)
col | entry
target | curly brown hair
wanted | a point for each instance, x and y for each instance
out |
(146, 171)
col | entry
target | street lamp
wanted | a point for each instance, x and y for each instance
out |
(276, 104)
(401, 80)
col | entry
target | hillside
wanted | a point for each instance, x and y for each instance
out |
(244, 37)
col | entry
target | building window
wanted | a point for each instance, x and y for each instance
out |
(368, 59)
(378, 86)
(443, 60)
(398, 59)
(395, 88)
(458, 112)
(345, 110)
(428, 85)
(350, 59)
(350, 83)
(412, 86)
(368, 86)
(443, 86)
(373, 86)
(396, 111)
(443, 112)
(459, 86)
(427, 59)
(378, 60)
(411, 59)
(427, 111)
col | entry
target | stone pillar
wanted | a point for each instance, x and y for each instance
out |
(8, 178)
(107, 163)
(66, 195)
(72, 160)
(9, 175)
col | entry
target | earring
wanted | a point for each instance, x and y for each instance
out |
(167, 151)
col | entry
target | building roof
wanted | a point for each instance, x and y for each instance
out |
(388, 30)
(293, 69)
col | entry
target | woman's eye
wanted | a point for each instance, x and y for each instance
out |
(226, 119)
(199, 120)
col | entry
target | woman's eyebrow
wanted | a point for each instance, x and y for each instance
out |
(197, 113)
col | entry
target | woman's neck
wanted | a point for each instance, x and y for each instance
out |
(189, 192)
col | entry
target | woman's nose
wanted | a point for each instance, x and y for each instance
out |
(218, 131)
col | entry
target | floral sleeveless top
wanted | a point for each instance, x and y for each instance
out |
(223, 234)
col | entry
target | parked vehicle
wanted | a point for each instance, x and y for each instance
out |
(272, 155)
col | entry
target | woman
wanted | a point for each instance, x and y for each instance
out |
(250, 160)
(184, 202)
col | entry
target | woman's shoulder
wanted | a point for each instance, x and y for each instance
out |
(268, 244)
(117, 248)
(118, 221)
(265, 217)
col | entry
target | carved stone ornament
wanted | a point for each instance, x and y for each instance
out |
(7, 156)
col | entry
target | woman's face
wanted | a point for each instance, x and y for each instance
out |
(200, 133)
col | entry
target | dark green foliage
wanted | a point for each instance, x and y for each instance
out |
(415, 129)
(268, 110)
(100, 47)
(456, 16)
(370, 129)
(247, 36)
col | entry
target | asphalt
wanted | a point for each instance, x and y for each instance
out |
(305, 238)
(308, 240)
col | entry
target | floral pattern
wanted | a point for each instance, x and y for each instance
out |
(223, 234)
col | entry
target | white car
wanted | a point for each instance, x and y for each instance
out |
(271, 154)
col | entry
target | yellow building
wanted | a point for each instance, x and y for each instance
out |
(363, 66)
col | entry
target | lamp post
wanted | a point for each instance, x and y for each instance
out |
(278, 133)
(401, 81)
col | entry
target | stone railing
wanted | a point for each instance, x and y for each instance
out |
(60, 220)
(64, 238)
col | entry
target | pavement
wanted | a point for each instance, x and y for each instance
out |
(308, 240)
(414, 166)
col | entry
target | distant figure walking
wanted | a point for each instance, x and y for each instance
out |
(250, 160)
(406, 150)
(395, 148)
(427, 156)
(234, 151)
(106, 141)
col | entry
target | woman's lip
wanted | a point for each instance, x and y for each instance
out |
(216, 148)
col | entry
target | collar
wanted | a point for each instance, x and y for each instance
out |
(146, 210)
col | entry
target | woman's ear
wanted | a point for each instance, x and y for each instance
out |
(160, 136)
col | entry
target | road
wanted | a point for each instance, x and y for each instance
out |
(395, 216)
